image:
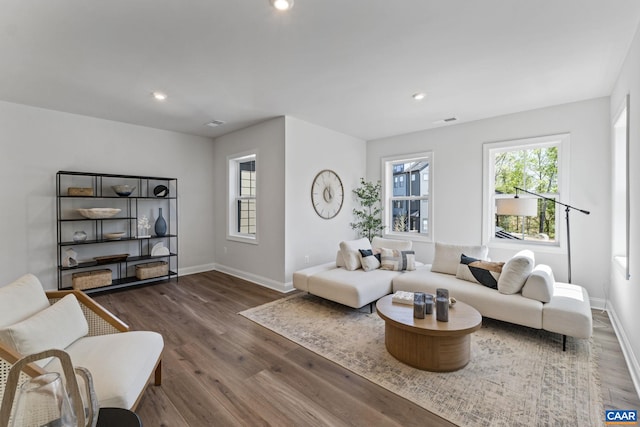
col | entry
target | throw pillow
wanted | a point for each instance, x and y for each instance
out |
(447, 257)
(396, 260)
(57, 326)
(401, 245)
(21, 299)
(478, 271)
(369, 260)
(350, 252)
(539, 285)
(515, 272)
(339, 259)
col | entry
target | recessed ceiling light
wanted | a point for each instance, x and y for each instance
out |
(159, 96)
(282, 4)
(419, 96)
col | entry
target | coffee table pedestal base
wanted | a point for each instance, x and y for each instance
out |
(428, 352)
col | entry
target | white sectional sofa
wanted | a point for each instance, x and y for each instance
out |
(521, 292)
(345, 281)
(120, 361)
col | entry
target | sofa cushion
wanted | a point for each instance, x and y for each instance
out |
(352, 288)
(21, 299)
(401, 245)
(515, 272)
(478, 271)
(539, 284)
(569, 311)
(447, 256)
(57, 326)
(120, 364)
(369, 260)
(489, 302)
(397, 260)
(350, 252)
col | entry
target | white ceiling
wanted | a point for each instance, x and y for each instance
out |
(348, 65)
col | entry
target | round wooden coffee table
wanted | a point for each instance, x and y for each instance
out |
(427, 343)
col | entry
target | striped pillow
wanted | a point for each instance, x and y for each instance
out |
(397, 260)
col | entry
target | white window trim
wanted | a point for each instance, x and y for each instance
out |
(232, 194)
(488, 218)
(387, 188)
(621, 257)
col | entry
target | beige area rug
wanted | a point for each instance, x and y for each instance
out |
(517, 376)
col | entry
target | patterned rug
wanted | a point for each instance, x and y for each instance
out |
(517, 376)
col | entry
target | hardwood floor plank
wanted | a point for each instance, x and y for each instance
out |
(221, 369)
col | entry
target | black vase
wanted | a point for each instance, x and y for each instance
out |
(161, 225)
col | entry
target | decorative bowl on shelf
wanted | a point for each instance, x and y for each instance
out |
(98, 213)
(111, 258)
(161, 191)
(123, 190)
(114, 236)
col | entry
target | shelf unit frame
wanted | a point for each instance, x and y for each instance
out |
(143, 192)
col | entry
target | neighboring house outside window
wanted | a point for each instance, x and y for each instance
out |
(242, 216)
(537, 165)
(407, 196)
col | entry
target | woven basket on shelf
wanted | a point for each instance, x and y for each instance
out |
(91, 279)
(152, 269)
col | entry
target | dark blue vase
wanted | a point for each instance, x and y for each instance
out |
(161, 225)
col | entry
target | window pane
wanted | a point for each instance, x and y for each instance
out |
(247, 216)
(247, 178)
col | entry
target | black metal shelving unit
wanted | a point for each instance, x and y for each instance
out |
(132, 207)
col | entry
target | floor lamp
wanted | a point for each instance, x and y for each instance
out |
(567, 209)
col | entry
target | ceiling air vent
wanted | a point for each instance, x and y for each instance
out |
(215, 123)
(447, 120)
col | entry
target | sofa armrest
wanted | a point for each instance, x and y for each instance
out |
(100, 320)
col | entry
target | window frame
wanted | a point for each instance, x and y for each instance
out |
(233, 196)
(388, 184)
(562, 141)
(621, 212)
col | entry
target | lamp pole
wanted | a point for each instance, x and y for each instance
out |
(567, 209)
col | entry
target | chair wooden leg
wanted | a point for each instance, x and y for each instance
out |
(158, 374)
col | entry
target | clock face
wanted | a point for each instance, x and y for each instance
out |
(327, 194)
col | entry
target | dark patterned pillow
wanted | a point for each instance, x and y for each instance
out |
(369, 259)
(476, 270)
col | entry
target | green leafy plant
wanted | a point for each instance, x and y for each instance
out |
(368, 219)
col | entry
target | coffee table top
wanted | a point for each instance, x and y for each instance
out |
(463, 319)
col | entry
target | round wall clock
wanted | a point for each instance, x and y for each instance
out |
(327, 194)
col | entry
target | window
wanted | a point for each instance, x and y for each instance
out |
(535, 165)
(407, 195)
(242, 218)
(620, 198)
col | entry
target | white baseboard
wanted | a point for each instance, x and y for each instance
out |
(196, 269)
(598, 303)
(259, 280)
(632, 361)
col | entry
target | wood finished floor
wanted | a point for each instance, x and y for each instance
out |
(220, 369)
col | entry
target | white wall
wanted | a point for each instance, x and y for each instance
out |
(291, 153)
(624, 296)
(458, 182)
(310, 149)
(36, 143)
(262, 263)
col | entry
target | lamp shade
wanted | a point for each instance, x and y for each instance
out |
(519, 206)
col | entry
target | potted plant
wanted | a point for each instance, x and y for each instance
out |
(368, 219)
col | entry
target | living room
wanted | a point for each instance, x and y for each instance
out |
(40, 139)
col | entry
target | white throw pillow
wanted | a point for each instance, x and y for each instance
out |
(515, 272)
(21, 299)
(339, 259)
(57, 326)
(350, 252)
(447, 257)
(539, 285)
(401, 245)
